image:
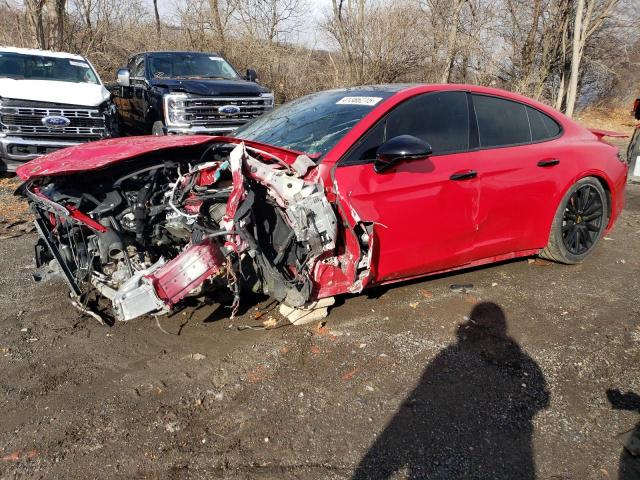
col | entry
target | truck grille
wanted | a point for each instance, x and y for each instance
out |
(24, 118)
(205, 112)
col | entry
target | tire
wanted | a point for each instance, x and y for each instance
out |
(579, 223)
(157, 128)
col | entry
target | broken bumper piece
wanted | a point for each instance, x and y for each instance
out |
(162, 286)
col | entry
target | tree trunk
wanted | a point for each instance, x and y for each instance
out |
(452, 35)
(34, 12)
(576, 57)
(157, 15)
(214, 6)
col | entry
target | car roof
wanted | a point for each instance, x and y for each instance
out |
(43, 53)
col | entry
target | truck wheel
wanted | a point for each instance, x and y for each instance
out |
(157, 128)
(581, 218)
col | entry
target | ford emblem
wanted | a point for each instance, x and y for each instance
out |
(55, 121)
(229, 109)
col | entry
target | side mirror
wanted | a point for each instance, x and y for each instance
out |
(398, 149)
(123, 77)
(252, 76)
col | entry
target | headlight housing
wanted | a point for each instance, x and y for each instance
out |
(175, 110)
(268, 98)
(107, 107)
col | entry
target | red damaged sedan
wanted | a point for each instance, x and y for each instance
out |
(329, 194)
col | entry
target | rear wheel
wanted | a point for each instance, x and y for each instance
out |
(157, 128)
(579, 222)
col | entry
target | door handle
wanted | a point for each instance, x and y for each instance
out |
(469, 174)
(548, 163)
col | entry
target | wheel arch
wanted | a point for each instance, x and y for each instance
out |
(607, 185)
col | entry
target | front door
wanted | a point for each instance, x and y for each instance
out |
(424, 211)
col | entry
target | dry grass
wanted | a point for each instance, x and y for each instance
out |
(616, 119)
(12, 209)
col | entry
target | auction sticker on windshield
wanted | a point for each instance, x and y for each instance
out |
(78, 64)
(368, 101)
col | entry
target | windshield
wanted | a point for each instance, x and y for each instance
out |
(190, 65)
(36, 67)
(315, 123)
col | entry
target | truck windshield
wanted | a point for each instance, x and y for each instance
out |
(190, 65)
(36, 67)
(315, 123)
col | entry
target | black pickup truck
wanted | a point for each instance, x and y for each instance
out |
(163, 93)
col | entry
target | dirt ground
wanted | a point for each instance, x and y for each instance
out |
(415, 381)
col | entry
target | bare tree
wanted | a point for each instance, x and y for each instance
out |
(35, 10)
(451, 38)
(588, 17)
(558, 51)
(221, 13)
(157, 16)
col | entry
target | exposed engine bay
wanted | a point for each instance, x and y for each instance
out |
(147, 233)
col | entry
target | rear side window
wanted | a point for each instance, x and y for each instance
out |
(543, 127)
(501, 122)
(440, 119)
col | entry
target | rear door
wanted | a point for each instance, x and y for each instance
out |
(423, 210)
(522, 168)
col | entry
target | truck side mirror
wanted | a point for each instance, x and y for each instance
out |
(123, 77)
(252, 76)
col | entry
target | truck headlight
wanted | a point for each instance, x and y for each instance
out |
(268, 98)
(175, 110)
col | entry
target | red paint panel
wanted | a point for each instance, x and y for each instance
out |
(187, 271)
(100, 154)
(423, 221)
(518, 198)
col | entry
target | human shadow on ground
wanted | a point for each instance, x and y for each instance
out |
(470, 415)
(629, 468)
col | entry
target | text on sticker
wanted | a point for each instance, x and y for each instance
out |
(368, 101)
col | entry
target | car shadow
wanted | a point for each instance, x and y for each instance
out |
(629, 468)
(470, 415)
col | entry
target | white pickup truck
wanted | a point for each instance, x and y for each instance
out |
(49, 100)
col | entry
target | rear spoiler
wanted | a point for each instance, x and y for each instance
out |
(607, 133)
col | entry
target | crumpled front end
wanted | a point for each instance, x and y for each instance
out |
(143, 235)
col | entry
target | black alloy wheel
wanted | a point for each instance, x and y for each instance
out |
(582, 220)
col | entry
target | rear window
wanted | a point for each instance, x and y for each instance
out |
(543, 127)
(501, 122)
